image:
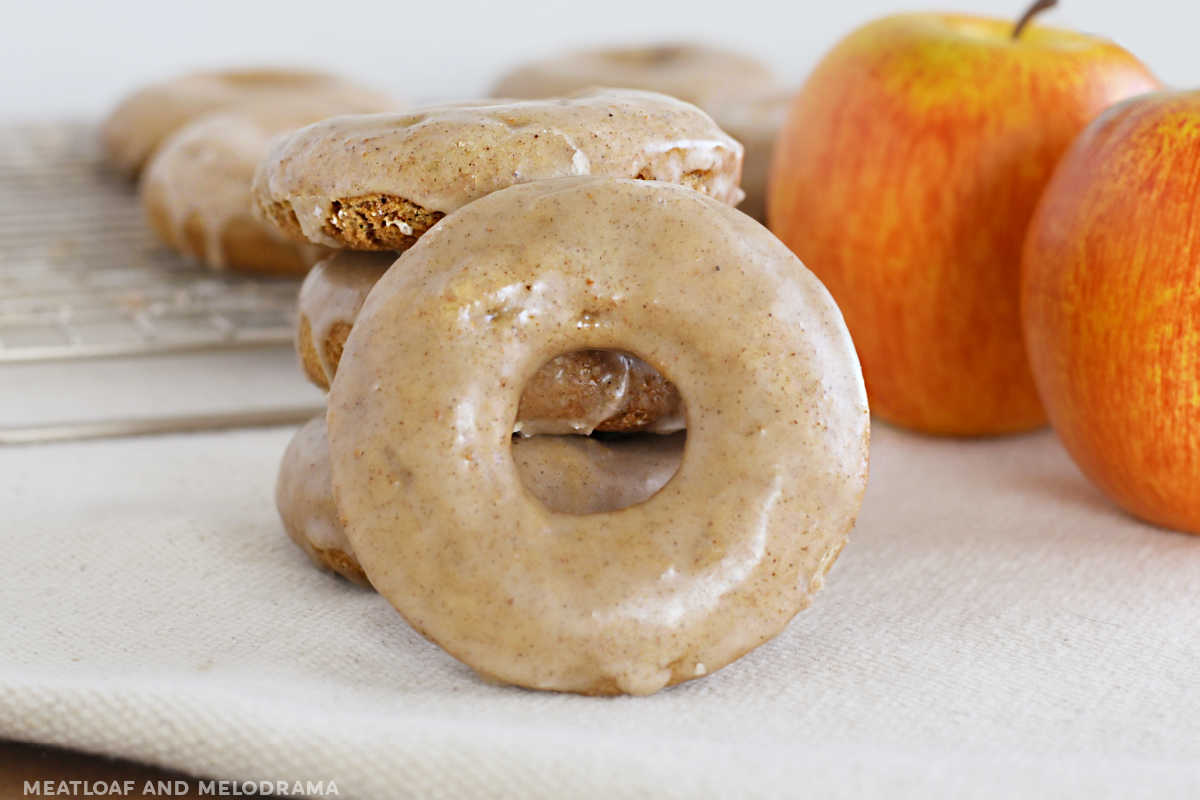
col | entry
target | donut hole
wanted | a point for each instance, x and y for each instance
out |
(596, 431)
(599, 473)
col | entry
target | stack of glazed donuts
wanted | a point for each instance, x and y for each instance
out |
(377, 182)
(380, 181)
(589, 427)
(567, 265)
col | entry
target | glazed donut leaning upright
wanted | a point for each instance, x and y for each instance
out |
(378, 182)
(714, 564)
(575, 393)
(142, 121)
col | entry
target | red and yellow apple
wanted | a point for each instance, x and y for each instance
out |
(1110, 302)
(905, 177)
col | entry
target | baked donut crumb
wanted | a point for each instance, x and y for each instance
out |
(378, 222)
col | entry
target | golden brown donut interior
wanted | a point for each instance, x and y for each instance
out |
(379, 222)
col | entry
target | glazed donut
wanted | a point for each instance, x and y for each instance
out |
(330, 298)
(196, 194)
(196, 189)
(572, 393)
(304, 498)
(715, 563)
(738, 91)
(755, 121)
(696, 73)
(143, 120)
(377, 182)
(569, 474)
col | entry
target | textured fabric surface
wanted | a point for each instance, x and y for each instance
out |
(993, 629)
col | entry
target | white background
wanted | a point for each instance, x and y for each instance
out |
(79, 57)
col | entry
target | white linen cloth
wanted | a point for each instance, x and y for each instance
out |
(994, 629)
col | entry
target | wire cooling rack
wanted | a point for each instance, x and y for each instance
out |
(82, 277)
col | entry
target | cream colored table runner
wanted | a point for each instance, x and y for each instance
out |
(993, 629)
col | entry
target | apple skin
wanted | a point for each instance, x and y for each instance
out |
(905, 177)
(1110, 303)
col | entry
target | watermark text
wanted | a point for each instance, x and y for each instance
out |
(179, 788)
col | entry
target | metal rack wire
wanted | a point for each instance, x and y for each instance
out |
(82, 277)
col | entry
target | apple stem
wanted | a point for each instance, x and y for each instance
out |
(1038, 7)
